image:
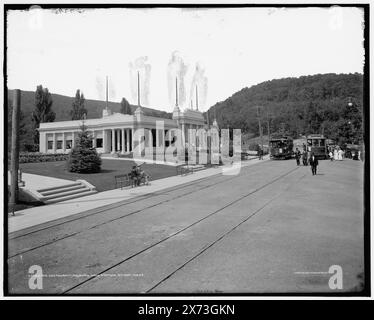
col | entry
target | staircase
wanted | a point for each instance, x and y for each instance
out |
(73, 190)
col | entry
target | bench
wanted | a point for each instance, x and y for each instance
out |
(125, 180)
(184, 170)
(122, 180)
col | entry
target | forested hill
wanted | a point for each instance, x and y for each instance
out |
(308, 104)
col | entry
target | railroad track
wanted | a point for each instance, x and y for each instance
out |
(149, 247)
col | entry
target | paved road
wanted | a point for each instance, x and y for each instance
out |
(272, 228)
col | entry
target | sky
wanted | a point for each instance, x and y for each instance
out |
(216, 51)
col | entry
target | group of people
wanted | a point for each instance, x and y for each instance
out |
(336, 154)
(137, 175)
(313, 161)
(301, 155)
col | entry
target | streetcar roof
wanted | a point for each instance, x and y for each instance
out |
(316, 136)
(280, 139)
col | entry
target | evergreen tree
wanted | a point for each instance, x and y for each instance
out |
(43, 110)
(78, 109)
(83, 157)
(125, 107)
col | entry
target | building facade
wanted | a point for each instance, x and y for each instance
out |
(115, 132)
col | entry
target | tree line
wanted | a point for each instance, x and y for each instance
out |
(330, 104)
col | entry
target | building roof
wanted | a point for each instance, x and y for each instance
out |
(115, 119)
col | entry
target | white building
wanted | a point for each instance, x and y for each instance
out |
(114, 132)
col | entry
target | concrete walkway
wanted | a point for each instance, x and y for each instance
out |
(36, 182)
(38, 215)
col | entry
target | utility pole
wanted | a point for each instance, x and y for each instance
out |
(283, 128)
(176, 91)
(268, 124)
(138, 89)
(107, 92)
(260, 128)
(15, 149)
(197, 100)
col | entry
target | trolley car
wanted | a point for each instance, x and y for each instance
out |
(316, 143)
(281, 147)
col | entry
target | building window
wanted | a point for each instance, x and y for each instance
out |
(69, 144)
(50, 145)
(99, 142)
(59, 144)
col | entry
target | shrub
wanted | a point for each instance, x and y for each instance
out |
(83, 157)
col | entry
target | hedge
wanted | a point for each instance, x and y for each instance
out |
(31, 157)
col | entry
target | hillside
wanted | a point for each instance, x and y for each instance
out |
(308, 104)
(62, 106)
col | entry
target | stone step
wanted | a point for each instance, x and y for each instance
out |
(82, 189)
(59, 187)
(65, 188)
(72, 196)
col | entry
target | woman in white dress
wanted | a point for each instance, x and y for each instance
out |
(340, 155)
(335, 154)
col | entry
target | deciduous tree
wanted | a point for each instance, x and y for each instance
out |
(78, 109)
(43, 110)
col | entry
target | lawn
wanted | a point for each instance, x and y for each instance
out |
(103, 180)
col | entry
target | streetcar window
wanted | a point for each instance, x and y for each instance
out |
(315, 143)
(309, 141)
(322, 142)
(275, 144)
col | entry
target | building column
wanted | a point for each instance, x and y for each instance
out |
(123, 141)
(118, 133)
(72, 139)
(43, 144)
(183, 134)
(128, 140)
(113, 147)
(54, 142)
(63, 142)
(104, 141)
(132, 139)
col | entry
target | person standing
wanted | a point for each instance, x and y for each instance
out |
(305, 158)
(134, 176)
(336, 153)
(331, 156)
(260, 152)
(313, 161)
(340, 154)
(297, 156)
